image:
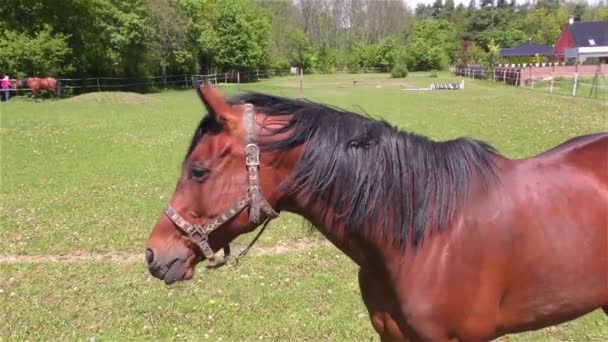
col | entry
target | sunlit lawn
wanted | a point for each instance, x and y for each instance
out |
(92, 174)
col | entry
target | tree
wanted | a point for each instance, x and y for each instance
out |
(43, 54)
(300, 51)
(548, 4)
(385, 53)
(170, 37)
(579, 9)
(544, 25)
(597, 12)
(326, 58)
(202, 38)
(432, 45)
(127, 33)
(493, 55)
(486, 3)
(448, 9)
(423, 11)
(283, 14)
(471, 7)
(437, 8)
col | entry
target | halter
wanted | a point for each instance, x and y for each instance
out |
(199, 234)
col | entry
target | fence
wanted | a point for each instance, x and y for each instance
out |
(364, 70)
(574, 80)
(471, 71)
(82, 85)
(74, 86)
(595, 86)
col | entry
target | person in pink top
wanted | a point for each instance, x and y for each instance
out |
(5, 88)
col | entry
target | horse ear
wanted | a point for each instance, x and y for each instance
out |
(216, 104)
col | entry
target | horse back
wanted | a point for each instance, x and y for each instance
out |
(587, 154)
(555, 208)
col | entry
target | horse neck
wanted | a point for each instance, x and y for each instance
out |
(359, 247)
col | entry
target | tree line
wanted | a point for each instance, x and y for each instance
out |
(140, 38)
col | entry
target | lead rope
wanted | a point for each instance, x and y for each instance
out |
(228, 260)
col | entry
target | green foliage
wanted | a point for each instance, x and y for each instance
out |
(544, 25)
(110, 37)
(357, 58)
(170, 38)
(326, 59)
(493, 55)
(473, 54)
(599, 12)
(432, 45)
(243, 32)
(300, 52)
(385, 53)
(399, 71)
(143, 37)
(127, 33)
(280, 64)
(44, 54)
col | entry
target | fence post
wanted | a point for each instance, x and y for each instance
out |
(58, 88)
(504, 75)
(574, 85)
(517, 77)
(238, 80)
(551, 86)
(226, 77)
(98, 85)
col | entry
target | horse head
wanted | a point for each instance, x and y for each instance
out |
(226, 188)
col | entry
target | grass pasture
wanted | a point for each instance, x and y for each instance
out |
(88, 176)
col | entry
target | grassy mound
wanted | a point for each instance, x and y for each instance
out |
(114, 97)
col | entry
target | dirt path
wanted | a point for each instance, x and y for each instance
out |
(282, 247)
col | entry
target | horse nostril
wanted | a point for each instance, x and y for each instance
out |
(149, 255)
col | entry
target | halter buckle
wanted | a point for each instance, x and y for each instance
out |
(252, 155)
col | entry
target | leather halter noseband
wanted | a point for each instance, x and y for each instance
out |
(199, 234)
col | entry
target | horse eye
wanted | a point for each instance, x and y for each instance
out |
(198, 172)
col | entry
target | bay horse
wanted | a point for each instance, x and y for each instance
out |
(454, 241)
(36, 84)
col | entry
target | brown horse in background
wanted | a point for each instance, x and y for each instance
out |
(36, 84)
(454, 241)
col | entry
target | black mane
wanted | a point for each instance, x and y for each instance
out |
(371, 169)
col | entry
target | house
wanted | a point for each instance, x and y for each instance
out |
(581, 40)
(527, 49)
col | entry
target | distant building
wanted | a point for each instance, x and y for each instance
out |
(581, 40)
(527, 49)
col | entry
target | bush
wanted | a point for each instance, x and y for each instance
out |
(399, 71)
(353, 65)
(280, 64)
(45, 54)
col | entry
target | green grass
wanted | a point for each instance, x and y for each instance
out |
(296, 297)
(93, 173)
(564, 85)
